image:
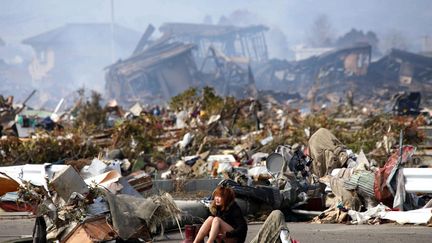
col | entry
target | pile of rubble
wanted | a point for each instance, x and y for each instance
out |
(97, 206)
(273, 155)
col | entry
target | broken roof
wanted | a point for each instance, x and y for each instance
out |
(330, 55)
(150, 57)
(422, 65)
(207, 30)
(83, 32)
(411, 57)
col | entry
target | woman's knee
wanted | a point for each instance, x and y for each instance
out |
(216, 220)
(210, 219)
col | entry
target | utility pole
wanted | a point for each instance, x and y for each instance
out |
(426, 45)
(112, 33)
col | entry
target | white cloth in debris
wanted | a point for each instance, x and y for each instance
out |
(187, 138)
(258, 170)
(363, 217)
(418, 216)
(181, 118)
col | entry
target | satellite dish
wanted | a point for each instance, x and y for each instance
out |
(275, 163)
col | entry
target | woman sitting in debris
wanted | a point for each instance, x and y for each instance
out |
(226, 222)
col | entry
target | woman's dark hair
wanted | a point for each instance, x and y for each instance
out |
(226, 193)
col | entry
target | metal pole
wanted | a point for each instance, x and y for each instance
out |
(112, 32)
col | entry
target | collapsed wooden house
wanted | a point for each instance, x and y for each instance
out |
(404, 69)
(160, 69)
(152, 76)
(74, 55)
(334, 70)
(249, 42)
(347, 70)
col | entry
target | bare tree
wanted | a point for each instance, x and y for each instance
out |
(241, 17)
(208, 19)
(394, 39)
(321, 33)
(355, 36)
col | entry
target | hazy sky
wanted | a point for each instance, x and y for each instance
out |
(24, 18)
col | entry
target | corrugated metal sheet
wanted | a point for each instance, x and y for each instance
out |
(363, 182)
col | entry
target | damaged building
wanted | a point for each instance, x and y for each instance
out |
(402, 69)
(14, 75)
(233, 41)
(332, 71)
(76, 53)
(154, 75)
(188, 55)
(336, 73)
